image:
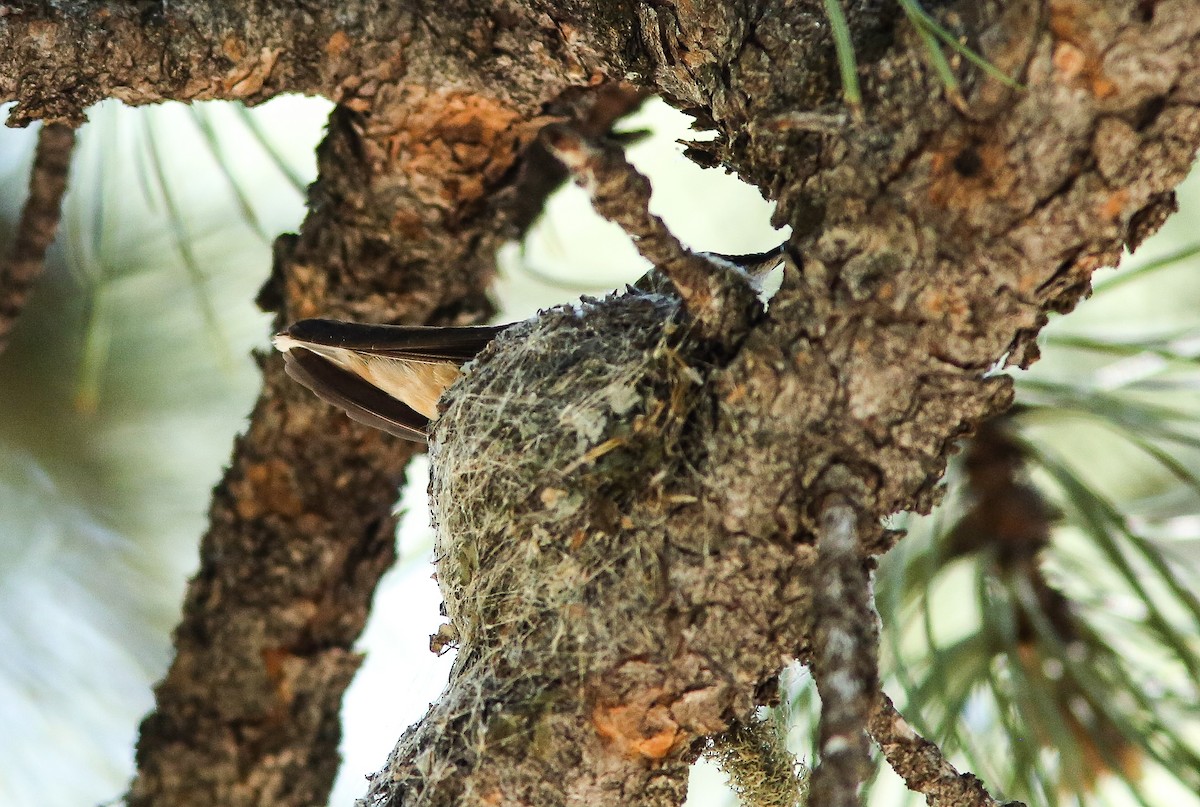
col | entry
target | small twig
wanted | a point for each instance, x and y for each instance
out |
(922, 764)
(845, 658)
(593, 113)
(718, 297)
(39, 221)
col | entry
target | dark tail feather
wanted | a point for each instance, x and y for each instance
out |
(359, 399)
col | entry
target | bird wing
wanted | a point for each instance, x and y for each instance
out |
(413, 342)
(361, 400)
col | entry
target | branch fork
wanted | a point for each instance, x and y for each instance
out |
(720, 298)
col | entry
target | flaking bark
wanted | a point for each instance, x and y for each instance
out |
(922, 764)
(408, 210)
(934, 244)
(302, 525)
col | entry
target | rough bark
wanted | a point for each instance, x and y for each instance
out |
(845, 663)
(301, 527)
(934, 244)
(922, 764)
(57, 58)
(928, 244)
(21, 268)
(409, 207)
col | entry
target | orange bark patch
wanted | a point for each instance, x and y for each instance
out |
(275, 660)
(965, 174)
(1114, 205)
(639, 729)
(1069, 62)
(577, 539)
(886, 291)
(1077, 58)
(408, 224)
(246, 78)
(942, 303)
(457, 144)
(267, 488)
(306, 290)
(337, 44)
(233, 49)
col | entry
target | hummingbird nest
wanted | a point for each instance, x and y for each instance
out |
(595, 608)
(554, 455)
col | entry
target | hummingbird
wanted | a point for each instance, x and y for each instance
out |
(386, 376)
(391, 376)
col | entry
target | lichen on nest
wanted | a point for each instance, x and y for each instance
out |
(553, 457)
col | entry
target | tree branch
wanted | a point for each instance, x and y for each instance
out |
(935, 245)
(638, 564)
(301, 526)
(845, 657)
(39, 221)
(922, 765)
(58, 58)
(716, 295)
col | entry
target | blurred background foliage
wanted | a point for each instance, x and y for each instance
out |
(1041, 622)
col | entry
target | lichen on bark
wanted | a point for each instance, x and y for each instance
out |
(930, 242)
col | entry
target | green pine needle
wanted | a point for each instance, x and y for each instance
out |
(924, 22)
(844, 48)
(183, 244)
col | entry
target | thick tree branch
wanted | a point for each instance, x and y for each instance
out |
(637, 566)
(39, 221)
(58, 58)
(249, 711)
(934, 244)
(944, 243)
(401, 229)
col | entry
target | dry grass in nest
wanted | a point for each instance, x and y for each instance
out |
(550, 460)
